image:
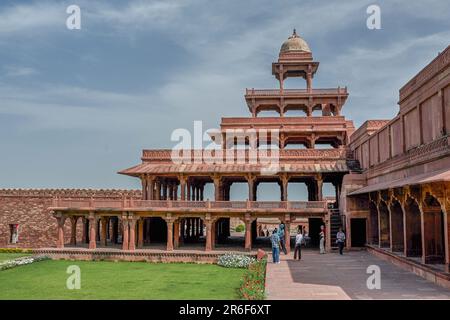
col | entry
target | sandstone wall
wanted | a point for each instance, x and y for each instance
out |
(28, 209)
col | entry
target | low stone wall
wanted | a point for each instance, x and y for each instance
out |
(137, 256)
(28, 209)
(438, 277)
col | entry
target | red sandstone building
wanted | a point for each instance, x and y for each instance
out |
(390, 177)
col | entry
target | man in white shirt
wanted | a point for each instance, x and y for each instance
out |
(298, 245)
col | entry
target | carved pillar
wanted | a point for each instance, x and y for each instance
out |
(103, 231)
(176, 234)
(284, 187)
(73, 229)
(158, 190)
(319, 182)
(248, 233)
(92, 231)
(208, 224)
(287, 234)
(85, 235)
(183, 187)
(132, 235)
(141, 233)
(125, 232)
(217, 187)
(169, 234)
(60, 220)
(144, 187)
(251, 187)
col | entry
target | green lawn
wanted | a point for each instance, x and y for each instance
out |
(10, 256)
(120, 280)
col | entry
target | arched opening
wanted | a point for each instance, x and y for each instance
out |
(397, 227)
(317, 111)
(268, 111)
(373, 224)
(433, 230)
(297, 190)
(413, 229)
(268, 191)
(294, 110)
(385, 228)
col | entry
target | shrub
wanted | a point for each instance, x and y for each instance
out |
(233, 260)
(15, 250)
(253, 282)
(21, 261)
(239, 228)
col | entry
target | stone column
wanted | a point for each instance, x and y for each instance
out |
(188, 191)
(125, 233)
(319, 181)
(150, 188)
(248, 233)
(217, 187)
(169, 235)
(84, 236)
(103, 231)
(158, 190)
(60, 223)
(92, 231)
(287, 235)
(140, 233)
(176, 234)
(144, 187)
(251, 187)
(73, 234)
(208, 224)
(284, 187)
(132, 235)
(183, 187)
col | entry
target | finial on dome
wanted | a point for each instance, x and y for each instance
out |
(294, 33)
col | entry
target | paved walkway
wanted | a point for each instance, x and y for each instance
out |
(334, 277)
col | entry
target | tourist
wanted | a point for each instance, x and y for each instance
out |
(281, 235)
(298, 245)
(322, 239)
(275, 240)
(340, 240)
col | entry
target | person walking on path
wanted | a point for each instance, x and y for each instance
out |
(298, 245)
(322, 239)
(281, 235)
(275, 240)
(340, 240)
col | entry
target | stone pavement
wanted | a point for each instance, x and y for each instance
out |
(334, 277)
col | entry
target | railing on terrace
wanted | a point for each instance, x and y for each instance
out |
(271, 92)
(166, 155)
(93, 204)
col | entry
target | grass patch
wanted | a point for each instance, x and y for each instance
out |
(121, 280)
(11, 256)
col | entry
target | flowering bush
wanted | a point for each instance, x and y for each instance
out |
(253, 281)
(20, 262)
(233, 260)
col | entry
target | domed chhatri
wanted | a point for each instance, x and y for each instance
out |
(294, 43)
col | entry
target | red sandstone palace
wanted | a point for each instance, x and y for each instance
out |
(391, 178)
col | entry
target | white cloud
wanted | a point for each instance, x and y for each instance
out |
(19, 71)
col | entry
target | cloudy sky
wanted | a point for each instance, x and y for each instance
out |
(76, 106)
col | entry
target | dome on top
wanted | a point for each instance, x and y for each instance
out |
(294, 43)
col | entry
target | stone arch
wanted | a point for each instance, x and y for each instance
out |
(373, 224)
(296, 107)
(413, 229)
(397, 227)
(267, 107)
(385, 225)
(434, 234)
